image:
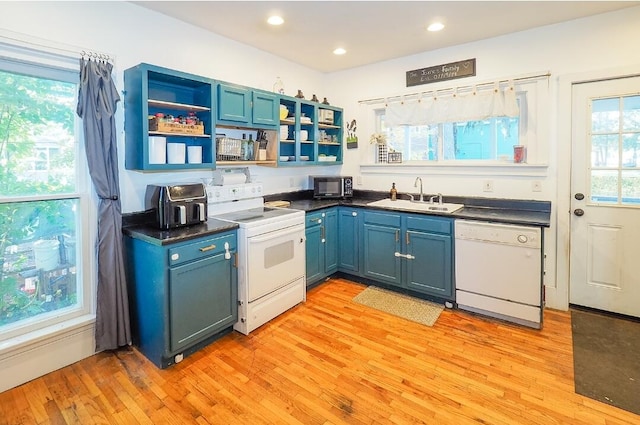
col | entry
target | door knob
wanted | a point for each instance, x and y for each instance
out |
(579, 212)
(579, 196)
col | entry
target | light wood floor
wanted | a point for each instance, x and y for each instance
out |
(331, 361)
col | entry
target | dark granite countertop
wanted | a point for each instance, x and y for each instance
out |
(165, 237)
(507, 211)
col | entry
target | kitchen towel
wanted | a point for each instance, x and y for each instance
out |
(605, 358)
(414, 309)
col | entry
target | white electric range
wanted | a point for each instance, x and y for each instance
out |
(271, 252)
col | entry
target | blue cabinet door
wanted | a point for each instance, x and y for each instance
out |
(314, 249)
(330, 241)
(234, 104)
(202, 300)
(349, 240)
(430, 270)
(380, 262)
(265, 109)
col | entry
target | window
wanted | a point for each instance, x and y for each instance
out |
(42, 202)
(451, 131)
(491, 139)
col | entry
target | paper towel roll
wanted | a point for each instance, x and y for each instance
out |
(234, 178)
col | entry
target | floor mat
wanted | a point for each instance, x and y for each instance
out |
(410, 308)
(606, 359)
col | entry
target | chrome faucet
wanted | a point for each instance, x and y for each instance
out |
(415, 184)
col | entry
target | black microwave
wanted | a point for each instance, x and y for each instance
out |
(331, 186)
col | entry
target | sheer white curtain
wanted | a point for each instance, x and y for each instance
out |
(473, 105)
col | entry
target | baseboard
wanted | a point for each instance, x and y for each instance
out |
(29, 361)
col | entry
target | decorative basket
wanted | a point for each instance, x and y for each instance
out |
(394, 157)
(381, 154)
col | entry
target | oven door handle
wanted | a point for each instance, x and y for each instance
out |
(277, 234)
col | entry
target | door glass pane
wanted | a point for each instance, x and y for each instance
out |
(630, 149)
(631, 187)
(604, 186)
(604, 150)
(631, 113)
(37, 258)
(605, 114)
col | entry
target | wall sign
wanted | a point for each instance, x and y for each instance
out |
(448, 71)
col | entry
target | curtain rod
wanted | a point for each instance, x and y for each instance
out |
(67, 51)
(468, 87)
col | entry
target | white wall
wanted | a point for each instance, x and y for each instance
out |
(132, 35)
(595, 47)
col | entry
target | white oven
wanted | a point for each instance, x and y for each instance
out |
(273, 260)
(271, 253)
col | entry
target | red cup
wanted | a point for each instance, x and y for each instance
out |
(519, 154)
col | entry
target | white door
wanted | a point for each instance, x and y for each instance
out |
(605, 204)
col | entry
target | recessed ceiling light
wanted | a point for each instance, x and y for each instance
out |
(275, 20)
(436, 26)
(339, 51)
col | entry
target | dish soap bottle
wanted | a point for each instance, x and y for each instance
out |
(393, 193)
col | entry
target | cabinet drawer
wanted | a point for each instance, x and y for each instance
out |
(314, 219)
(429, 224)
(383, 219)
(194, 250)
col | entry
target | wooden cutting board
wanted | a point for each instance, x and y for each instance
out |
(278, 204)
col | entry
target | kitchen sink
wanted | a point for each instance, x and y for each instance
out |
(405, 205)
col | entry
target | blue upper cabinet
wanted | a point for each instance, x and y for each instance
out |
(244, 107)
(265, 109)
(166, 113)
(310, 133)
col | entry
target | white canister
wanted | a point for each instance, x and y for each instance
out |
(304, 135)
(176, 153)
(157, 150)
(194, 154)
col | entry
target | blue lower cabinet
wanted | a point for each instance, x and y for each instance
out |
(349, 240)
(380, 245)
(321, 244)
(429, 264)
(409, 251)
(182, 296)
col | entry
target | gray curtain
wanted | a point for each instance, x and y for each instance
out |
(97, 103)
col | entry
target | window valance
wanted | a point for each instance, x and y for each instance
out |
(474, 105)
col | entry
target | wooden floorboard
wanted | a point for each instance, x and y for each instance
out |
(332, 361)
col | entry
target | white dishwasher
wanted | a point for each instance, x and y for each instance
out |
(499, 271)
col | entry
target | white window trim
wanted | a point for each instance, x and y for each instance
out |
(68, 320)
(535, 136)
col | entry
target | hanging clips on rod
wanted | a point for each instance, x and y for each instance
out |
(97, 56)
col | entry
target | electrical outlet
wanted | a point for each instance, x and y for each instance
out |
(487, 186)
(292, 182)
(359, 180)
(536, 186)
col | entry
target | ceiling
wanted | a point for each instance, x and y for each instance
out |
(370, 31)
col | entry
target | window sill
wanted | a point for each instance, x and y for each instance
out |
(458, 169)
(17, 344)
